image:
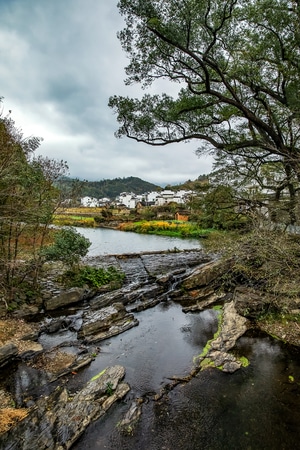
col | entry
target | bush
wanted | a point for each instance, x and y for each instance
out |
(93, 277)
(68, 247)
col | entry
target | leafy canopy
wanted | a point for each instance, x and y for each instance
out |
(234, 66)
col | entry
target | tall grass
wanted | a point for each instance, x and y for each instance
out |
(166, 228)
(73, 221)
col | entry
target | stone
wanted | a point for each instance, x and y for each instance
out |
(74, 295)
(8, 352)
(57, 421)
(232, 327)
(32, 349)
(96, 321)
(206, 274)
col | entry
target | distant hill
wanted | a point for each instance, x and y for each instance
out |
(110, 188)
(194, 185)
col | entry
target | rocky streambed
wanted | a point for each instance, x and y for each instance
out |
(70, 327)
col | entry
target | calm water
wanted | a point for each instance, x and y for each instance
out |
(113, 242)
(257, 408)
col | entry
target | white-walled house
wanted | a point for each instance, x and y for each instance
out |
(128, 199)
(168, 196)
(89, 202)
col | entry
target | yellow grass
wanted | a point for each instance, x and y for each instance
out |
(10, 416)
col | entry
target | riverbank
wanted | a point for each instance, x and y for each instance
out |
(197, 278)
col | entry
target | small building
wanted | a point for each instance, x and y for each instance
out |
(182, 215)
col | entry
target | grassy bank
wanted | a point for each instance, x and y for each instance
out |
(166, 228)
(73, 220)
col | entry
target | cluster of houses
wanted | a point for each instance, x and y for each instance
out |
(131, 200)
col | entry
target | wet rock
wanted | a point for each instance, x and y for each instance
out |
(206, 274)
(232, 327)
(131, 418)
(7, 353)
(116, 328)
(26, 311)
(56, 422)
(159, 264)
(209, 300)
(32, 349)
(141, 306)
(74, 295)
(107, 322)
(106, 299)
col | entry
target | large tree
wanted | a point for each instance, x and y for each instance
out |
(237, 64)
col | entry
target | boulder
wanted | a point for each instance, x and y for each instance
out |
(107, 322)
(206, 274)
(7, 353)
(216, 354)
(74, 295)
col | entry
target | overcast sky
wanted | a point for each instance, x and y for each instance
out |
(60, 60)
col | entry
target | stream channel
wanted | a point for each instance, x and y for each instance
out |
(256, 408)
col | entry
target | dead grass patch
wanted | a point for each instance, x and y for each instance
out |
(12, 330)
(10, 416)
(53, 362)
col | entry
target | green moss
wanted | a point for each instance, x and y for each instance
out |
(208, 344)
(244, 361)
(207, 362)
(98, 375)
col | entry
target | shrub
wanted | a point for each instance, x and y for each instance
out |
(93, 277)
(68, 247)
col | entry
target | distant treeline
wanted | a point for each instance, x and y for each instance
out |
(112, 188)
(109, 188)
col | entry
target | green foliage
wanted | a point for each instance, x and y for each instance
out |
(220, 210)
(111, 188)
(68, 247)
(69, 220)
(28, 200)
(93, 277)
(109, 388)
(166, 228)
(237, 64)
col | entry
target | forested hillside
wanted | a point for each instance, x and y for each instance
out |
(112, 188)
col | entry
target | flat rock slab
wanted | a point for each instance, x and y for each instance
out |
(66, 298)
(56, 422)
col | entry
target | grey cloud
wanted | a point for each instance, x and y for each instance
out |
(60, 62)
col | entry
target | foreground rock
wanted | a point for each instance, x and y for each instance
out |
(7, 353)
(107, 322)
(216, 353)
(56, 422)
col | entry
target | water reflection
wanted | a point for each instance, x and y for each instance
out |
(112, 242)
(256, 408)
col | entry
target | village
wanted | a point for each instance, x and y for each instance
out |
(131, 201)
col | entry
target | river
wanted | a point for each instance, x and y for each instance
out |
(106, 241)
(255, 408)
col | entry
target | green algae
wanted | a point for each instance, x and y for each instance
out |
(98, 375)
(244, 361)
